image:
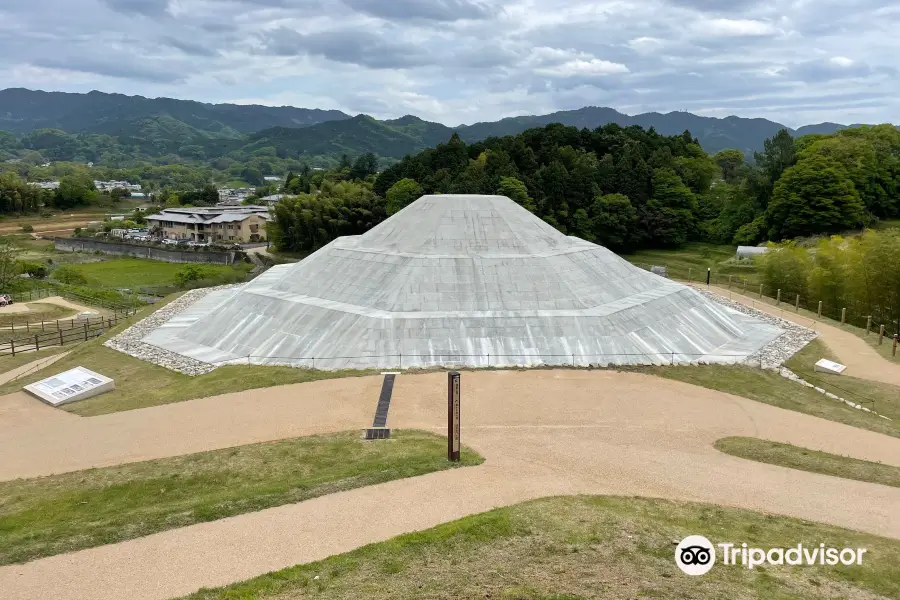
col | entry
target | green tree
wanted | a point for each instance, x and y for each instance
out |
(614, 221)
(402, 194)
(365, 165)
(516, 191)
(697, 170)
(779, 154)
(75, 190)
(785, 267)
(729, 161)
(814, 196)
(9, 265)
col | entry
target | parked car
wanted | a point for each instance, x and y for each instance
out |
(169, 242)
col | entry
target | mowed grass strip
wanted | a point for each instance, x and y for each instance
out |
(133, 273)
(883, 398)
(771, 388)
(50, 515)
(140, 384)
(582, 547)
(804, 459)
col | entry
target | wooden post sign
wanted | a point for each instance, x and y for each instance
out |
(453, 442)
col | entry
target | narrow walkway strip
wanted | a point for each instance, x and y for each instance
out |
(379, 429)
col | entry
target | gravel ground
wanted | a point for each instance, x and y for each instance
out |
(129, 341)
(542, 432)
(772, 356)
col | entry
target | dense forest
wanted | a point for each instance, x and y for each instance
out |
(625, 188)
(622, 187)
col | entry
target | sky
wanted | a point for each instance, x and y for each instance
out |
(463, 61)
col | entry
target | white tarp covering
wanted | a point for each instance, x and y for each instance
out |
(70, 386)
(461, 280)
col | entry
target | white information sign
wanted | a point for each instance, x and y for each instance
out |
(828, 366)
(70, 386)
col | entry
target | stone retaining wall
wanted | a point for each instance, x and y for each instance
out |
(139, 251)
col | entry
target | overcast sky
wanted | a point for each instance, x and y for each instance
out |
(462, 61)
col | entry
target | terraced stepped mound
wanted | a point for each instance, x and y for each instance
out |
(461, 280)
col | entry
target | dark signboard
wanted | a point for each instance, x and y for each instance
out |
(453, 441)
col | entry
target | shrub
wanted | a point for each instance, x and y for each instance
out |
(190, 273)
(27, 228)
(69, 275)
(35, 270)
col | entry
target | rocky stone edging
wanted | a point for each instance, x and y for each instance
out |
(773, 355)
(788, 374)
(785, 346)
(129, 341)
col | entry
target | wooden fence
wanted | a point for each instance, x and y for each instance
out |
(60, 333)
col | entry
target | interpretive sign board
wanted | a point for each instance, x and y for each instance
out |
(828, 366)
(70, 386)
(453, 441)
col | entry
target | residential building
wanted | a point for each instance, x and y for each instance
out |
(217, 224)
(273, 199)
(234, 197)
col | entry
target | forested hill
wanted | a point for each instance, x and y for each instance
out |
(121, 131)
(23, 111)
(630, 187)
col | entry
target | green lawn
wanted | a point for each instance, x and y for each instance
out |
(60, 513)
(883, 398)
(134, 273)
(693, 259)
(574, 548)
(8, 362)
(771, 388)
(795, 457)
(140, 384)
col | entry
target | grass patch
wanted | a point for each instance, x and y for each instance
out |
(9, 362)
(883, 398)
(795, 457)
(693, 259)
(583, 547)
(40, 311)
(140, 384)
(771, 388)
(50, 515)
(133, 273)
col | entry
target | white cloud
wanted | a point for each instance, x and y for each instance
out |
(461, 61)
(580, 67)
(734, 27)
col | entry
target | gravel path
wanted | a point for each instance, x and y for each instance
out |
(543, 432)
(862, 360)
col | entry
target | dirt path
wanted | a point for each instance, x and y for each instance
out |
(33, 365)
(862, 360)
(542, 432)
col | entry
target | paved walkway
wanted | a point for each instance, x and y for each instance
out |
(861, 359)
(543, 432)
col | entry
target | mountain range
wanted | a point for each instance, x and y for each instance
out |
(164, 126)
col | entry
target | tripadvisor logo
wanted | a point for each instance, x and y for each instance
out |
(696, 555)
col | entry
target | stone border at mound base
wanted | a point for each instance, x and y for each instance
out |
(129, 341)
(771, 356)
